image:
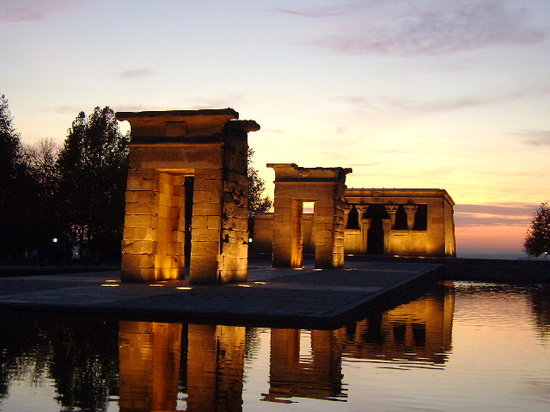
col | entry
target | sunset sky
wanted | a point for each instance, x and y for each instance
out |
(451, 94)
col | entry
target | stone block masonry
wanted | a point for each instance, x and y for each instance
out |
(294, 185)
(186, 198)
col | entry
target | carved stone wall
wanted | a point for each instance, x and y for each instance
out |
(409, 222)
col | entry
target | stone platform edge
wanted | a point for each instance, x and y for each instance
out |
(387, 298)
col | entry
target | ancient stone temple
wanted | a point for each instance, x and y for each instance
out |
(408, 222)
(186, 198)
(325, 187)
(403, 222)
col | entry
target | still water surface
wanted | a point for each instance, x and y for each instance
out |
(461, 346)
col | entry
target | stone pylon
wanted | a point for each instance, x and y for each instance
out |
(294, 185)
(186, 199)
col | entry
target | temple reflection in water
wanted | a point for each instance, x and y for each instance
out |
(159, 360)
(419, 330)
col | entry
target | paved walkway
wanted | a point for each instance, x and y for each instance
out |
(271, 297)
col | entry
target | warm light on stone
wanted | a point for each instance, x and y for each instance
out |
(186, 198)
(325, 187)
(149, 364)
(404, 222)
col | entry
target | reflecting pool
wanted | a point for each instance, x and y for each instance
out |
(459, 346)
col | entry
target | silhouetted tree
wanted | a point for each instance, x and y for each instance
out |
(12, 173)
(92, 169)
(10, 146)
(537, 240)
(43, 215)
(257, 203)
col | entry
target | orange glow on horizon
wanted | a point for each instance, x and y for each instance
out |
(491, 238)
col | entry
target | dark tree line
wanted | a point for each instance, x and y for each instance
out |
(537, 240)
(56, 201)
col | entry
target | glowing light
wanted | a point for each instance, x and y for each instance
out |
(298, 268)
(184, 287)
(259, 283)
(54, 240)
(317, 269)
(244, 286)
(156, 285)
(111, 281)
(111, 285)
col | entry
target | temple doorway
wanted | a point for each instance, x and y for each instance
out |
(188, 187)
(375, 239)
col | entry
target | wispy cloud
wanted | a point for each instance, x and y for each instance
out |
(513, 214)
(227, 100)
(423, 27)
(135, 73)
(14, 11)
(323, 11)
(535, 137)
(456, 103)
(66, 110)
(133, 108)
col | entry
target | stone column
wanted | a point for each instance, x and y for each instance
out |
(365, 226)
(287, 231)
(410, 210)
(387, 225)
(361, 210)
(392, 211)
(347, 209)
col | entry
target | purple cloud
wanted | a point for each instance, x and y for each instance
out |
(529, 91)
(535, 137)
(132, 108)
(321, 12)
(431, 27)
(513, 214)
(136, 73)
(33, 10)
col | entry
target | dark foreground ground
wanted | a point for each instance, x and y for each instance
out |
(307, 298)
(271, 297)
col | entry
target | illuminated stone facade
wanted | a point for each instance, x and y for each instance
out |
(404, 222)
(186, 198)
(325, 187)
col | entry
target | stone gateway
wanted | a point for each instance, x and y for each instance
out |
(186, 198)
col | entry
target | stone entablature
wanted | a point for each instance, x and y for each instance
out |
(325, 187)
(186, 198)
(408, 222)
